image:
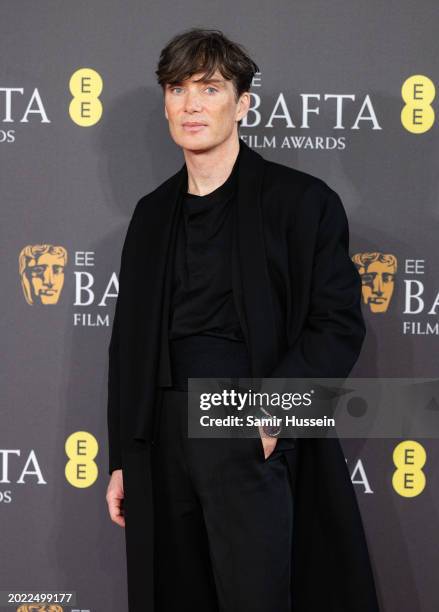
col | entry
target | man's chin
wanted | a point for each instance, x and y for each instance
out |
(197, 147)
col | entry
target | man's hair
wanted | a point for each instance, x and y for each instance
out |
(205, 50)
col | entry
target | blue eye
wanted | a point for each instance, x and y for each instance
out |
(173, 89)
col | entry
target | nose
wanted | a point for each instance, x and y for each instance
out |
(192, 101)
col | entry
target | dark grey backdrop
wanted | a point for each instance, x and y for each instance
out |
(67, 185)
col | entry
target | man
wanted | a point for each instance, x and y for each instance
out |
(234, 266)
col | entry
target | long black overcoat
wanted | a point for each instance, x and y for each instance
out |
(298, 295)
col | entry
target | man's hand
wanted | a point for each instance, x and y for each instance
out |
(268, 442)
(114, 497)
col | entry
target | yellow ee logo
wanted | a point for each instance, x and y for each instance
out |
(81, 448)
(85, 86)
(417, 115)
(409, 458)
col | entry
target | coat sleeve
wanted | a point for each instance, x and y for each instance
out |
(331, 339)
(113, 408)
(113, 386)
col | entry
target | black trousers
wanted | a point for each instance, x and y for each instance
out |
(223, 519)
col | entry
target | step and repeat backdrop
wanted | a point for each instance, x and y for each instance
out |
(346, 91)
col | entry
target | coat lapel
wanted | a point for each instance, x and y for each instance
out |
(158, 227)
(251, 262)
(250, 280)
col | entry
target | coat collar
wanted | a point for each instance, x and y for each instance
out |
(251, 285)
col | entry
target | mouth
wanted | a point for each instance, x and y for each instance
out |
(194, 127)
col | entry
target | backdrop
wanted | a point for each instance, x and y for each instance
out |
(346, 91)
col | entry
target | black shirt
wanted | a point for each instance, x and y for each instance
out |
(205, 334)
(202, 298)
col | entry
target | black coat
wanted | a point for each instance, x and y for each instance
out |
(298, 296)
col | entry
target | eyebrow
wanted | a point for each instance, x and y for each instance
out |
(221, 81)
(212, 80)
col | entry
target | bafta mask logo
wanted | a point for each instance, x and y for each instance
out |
(40, 608)
(377, 271)
(41, 268)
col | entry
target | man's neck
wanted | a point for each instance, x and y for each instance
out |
(209, 169)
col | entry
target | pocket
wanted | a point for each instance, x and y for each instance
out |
(261, 448)
(261, 451)
(282, 445)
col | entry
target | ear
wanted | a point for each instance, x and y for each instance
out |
(166, 113)
(243, 105)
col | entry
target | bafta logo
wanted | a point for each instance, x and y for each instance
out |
(377, 271)
(41, 268)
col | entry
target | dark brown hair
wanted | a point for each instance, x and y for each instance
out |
(205, 50)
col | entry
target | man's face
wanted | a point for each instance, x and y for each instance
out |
(211, 103)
